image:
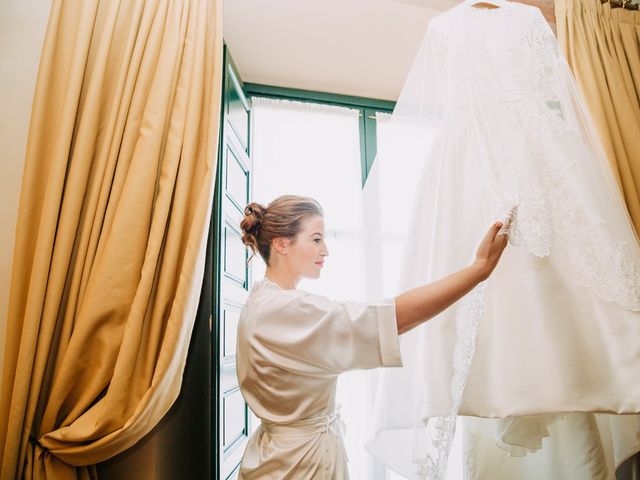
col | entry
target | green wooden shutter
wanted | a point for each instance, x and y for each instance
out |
(232, 275)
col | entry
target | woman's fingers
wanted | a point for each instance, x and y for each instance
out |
(496, 239)
(493, 245)
(506, 226)
(493, 234)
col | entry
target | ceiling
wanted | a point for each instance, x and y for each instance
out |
(352, 47)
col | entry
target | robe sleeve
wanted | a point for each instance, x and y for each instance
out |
(307, 333)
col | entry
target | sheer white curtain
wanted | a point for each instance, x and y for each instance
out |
(314, 150)
(387, 220)
(386, 226)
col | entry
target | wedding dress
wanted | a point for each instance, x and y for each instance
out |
(489, 119)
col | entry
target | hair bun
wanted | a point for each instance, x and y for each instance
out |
(251, 223)
(254, 212)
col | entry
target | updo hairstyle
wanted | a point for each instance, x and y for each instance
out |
(281, 218)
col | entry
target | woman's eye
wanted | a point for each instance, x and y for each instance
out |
(317, 240)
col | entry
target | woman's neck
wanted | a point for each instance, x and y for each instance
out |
(283, 279)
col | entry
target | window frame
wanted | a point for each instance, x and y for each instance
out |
(366, 106)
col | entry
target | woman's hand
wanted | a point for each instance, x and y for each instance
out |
(492, 246)
(422, 303)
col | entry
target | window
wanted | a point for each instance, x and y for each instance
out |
(368, 111)
(324, 150)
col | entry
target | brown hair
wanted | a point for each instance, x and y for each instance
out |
(281, 218)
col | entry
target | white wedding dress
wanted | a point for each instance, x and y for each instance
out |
(490, 119)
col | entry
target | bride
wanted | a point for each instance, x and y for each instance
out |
(292, 345)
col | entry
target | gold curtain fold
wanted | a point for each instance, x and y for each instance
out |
(602, 46)
(111, 233)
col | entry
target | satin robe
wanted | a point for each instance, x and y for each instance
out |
(292, 345)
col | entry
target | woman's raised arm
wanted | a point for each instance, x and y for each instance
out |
(422, 303)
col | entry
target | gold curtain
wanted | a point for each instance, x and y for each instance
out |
(111, 235)
(602, 46)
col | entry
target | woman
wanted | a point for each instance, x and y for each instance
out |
(292, 345)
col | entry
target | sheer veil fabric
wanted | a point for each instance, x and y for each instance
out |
(489, 119)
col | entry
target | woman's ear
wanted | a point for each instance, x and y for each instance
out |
(281, 244)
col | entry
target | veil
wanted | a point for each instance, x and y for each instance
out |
(489, 118)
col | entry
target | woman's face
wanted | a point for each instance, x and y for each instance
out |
(305, 254)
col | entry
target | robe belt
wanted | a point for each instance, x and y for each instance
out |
(322, 424)
(306, 426)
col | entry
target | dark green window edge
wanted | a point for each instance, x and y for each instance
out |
(259, 90)
(367, 106)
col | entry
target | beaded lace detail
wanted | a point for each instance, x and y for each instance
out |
(551, 218)
(433, 465)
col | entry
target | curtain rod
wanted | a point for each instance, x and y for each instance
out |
(628, 4)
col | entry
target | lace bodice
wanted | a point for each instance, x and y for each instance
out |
(501, 69)
(497, 46)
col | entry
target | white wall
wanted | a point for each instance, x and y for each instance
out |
(22, 28)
